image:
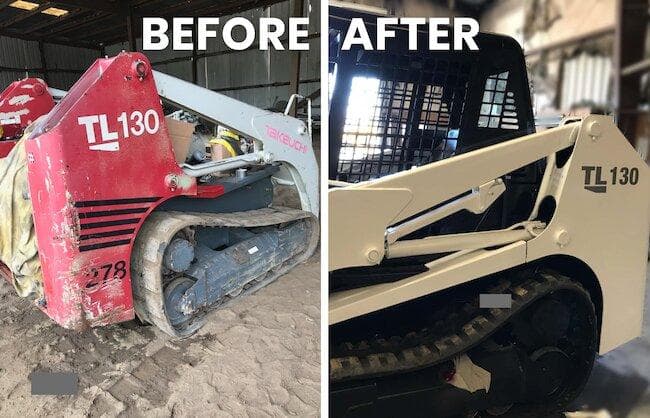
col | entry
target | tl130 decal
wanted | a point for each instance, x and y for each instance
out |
(135, 124)
(597, 180)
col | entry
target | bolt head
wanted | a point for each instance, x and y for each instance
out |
(595, 129)
(373, 255)
(562, 238)
(38, 89)
(141, 69)
(171, 181)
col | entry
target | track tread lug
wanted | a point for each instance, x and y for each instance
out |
(430, 350)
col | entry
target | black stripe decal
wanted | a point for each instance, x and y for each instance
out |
(109, 223)
(597, 189)
(107, 234)
(103, 213)
(91, 203)
(91, 247)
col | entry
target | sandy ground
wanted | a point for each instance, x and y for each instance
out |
(259, 357)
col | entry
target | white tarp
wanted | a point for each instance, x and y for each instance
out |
(18, 247)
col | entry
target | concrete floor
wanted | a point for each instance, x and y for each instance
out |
(620, 381)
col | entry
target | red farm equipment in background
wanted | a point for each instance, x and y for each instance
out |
(21, 103)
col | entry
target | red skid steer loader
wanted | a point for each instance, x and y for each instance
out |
(123, 229)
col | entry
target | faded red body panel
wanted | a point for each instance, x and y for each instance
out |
(209, 192)
(5, 273)
(6, 147)
(22, 103)
(99, 163)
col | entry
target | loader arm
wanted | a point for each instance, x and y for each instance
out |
(280, 138)
(416, 194)
(600, 217)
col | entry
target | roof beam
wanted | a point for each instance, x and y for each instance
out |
(96, 5)
(5, 3)
(116, 27)
(99, 13)
(75, 24)
(131, 28)
(26, 14)
(201, 7)
(49, 40)
(168, 10)
(54, 21)
(204, 8)
(234, 7)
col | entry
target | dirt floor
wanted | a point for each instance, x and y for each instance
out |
(259, 357)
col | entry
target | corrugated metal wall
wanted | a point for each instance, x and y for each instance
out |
(17, 53)
(246, 68)
(585, 80)
(66, 57)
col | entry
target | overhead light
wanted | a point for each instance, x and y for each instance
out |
(25, 5)
(53, 11)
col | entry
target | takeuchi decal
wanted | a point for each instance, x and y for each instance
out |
(285, 139)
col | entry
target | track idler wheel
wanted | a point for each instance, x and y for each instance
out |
(552, 366)
(174, 292)
(558, 354)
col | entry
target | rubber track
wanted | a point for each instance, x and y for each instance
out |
(161, 227)
(417, 350)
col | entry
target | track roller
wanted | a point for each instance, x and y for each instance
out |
(174, 286)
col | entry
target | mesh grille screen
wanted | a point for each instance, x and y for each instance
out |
(395, 123)
(498, 109)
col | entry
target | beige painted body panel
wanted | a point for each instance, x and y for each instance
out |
(607, 231)
(364, 218)
(351, 303)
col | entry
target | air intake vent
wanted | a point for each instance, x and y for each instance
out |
(110, 223)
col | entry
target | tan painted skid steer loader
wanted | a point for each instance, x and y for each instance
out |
(484, 281)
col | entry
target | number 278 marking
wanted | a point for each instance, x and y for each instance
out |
(105, 273)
